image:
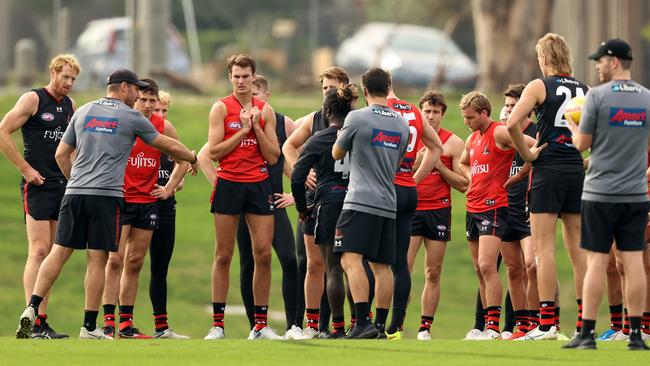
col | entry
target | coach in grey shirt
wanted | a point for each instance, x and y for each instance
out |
(614, 125)
(375, 138)
(102, 133)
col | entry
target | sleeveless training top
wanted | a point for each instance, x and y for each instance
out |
(551, 124)
(245, 163)
(142, 168)
(433, 191)
(43, 131)
(490, 167)
(411, 113)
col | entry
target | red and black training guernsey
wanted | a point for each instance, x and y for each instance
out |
(560, 153)
(43, 131)
(411, 113)
(490, 168)
(245, 163)
(142, 168)
(434, 192)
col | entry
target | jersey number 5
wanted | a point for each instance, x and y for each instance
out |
(413, 135)
(343, 166)
(559, 116)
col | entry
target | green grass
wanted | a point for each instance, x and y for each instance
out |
(340, 352)
(189, 280)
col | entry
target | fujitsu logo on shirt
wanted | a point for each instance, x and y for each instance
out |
(627, 117)
(55, 134)
(248, 142)
(105, 125)
(480, 168)
(140, 161)
(388, 139)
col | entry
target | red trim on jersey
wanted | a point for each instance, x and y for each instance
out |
(25, 205)
(142, 168)
(490, 168)
(245, 163)
(433, 191)
(411, 113)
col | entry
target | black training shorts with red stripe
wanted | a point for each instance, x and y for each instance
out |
(90, 222)
(491, 222)
(43, 202)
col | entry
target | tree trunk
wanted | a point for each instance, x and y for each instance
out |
(506, 33)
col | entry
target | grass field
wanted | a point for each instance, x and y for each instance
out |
(340, 352)
(189, 282)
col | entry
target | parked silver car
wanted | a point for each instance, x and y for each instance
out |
(102, 47)
(414, 55)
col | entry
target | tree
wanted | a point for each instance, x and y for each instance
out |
(506, 32)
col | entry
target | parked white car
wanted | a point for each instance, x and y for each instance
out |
(102, 47)
(414, 55)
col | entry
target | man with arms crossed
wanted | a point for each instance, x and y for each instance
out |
(486, 160)
(614, 125)
(432, 220)
(376, 137)
(556, 183)
(102, 133)
(242, 140)
(42, 115)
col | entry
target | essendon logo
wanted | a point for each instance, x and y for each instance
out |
(383, 138)
(627, 117)
(107, 125)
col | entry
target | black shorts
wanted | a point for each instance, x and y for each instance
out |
(553, 191)
(309, 224)
(90, 222)
(43, 202)
(491, 222)
(236, 198)
(432, 224)
(327, 214)
(517, 227)
(141, 215)
(369, 235)
(604, 222)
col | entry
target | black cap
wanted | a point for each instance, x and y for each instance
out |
(615, 48)
(125, 76)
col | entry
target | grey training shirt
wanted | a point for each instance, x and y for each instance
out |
(103, 133)
(376, 137)
(615, 113)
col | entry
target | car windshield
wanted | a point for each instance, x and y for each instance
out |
(427, 43)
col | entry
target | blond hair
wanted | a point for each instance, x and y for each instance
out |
(164, 97)
(59, 61)
(476, 100)
(556, 50)
(335, 73)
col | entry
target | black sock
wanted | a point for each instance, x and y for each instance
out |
(126, 316)
(35, 302)
(382, 315)
(635, 328)
(362, 311)
(588, 329)
(109, 309)
(90, 319)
